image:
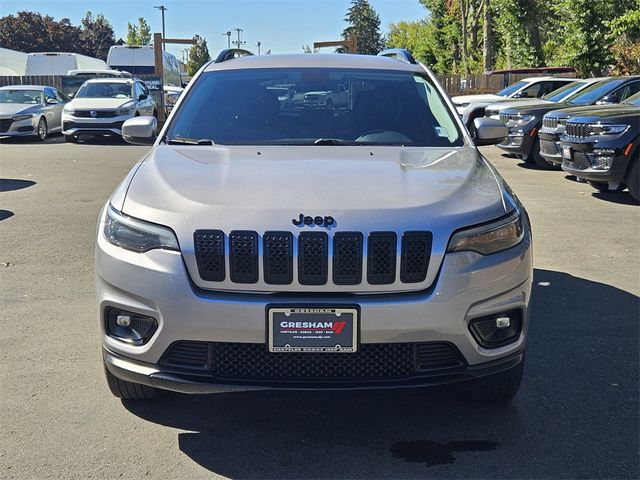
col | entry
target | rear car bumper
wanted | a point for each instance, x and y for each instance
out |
(156, 284)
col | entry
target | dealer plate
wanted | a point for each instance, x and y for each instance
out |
(316, 329)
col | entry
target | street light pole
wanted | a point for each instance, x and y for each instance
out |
(162, 8)
(239, 42)
(258, 45)
(228, 35)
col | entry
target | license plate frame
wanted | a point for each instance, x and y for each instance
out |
(313, 329)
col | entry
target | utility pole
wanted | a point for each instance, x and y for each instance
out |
(163, 9)
(228, 35)
(239, 42)
(258, 45)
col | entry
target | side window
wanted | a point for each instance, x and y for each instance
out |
(48, 94)
(137, 90)
(548, 87)
(531, 91)
(626, 91)
(59, 96)
(144, 88)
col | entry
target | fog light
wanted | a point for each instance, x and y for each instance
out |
(601, 158)
(129, 327)
(497, 330)
(503, 322)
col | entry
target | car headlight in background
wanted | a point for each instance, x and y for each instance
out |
(519, 120)
(493, 237)
(126, 111)
(68, 111)
(25, 116)
(607, 129)
(462, 105)
(137, 235)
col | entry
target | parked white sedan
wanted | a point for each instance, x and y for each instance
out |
(30, 110)
(101, 106)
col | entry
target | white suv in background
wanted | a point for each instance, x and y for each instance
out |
(470, 107)
(101, 106)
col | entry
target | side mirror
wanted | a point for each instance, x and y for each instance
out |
(143, 96)
(522, 94)
(140, 130)
(489, 131)
(52, 101)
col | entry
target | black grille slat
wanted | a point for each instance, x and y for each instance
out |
(209, 250)
(312, 258)
(243, 256)
(416, 253)
(71, 124)
(99, 114)
(278, 258)
(376, 361)
(347, 258)
(381, 258)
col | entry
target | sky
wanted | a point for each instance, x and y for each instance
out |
(282, 26)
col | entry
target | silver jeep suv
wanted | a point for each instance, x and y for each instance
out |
(263, 243)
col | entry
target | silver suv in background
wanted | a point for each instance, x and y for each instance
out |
(265, 244)
(102, 105)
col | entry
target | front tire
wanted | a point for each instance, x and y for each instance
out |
(497, 388)
(128, 390)
(43, 130)
(633, 179)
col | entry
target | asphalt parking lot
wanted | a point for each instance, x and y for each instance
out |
(576, 415)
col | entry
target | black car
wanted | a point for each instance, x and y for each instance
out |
(531, 139)
(601, 146)
(614, 91)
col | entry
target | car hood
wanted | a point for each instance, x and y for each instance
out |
(538, 108)
(613, 113)
(484, 98)
(99, 103)
(517, 103)
(363, 188)
(569, 111)
(9, 109)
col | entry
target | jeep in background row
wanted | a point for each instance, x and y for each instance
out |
(600, 145)
(535, 140)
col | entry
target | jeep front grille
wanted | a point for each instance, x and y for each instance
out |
(549, 122)
(577, 130)
(315, 252)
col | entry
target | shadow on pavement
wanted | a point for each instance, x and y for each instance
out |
(622, 198)
(50, 140)
(576, 414)
(4, 214)
(10, 184)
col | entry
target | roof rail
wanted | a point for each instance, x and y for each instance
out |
(401, 54)
(231, 53)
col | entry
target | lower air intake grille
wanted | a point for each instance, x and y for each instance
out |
(252, 361)
(416, 252)
(312, 258)
(209, 249)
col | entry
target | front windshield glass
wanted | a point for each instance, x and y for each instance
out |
(512, 89)
(33, 97)
(322, 106)
(633, 100)
(105, 90)
(595, 92)
(562, 92)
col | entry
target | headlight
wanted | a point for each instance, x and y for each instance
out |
(125, 111)
(462, 105)
(493, 237)
(604, 129)
(69, 111)
(137, 235)
(22, 117)
(520, 119)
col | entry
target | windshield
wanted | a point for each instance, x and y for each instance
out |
(595, 92)
(633, 100)
(512, 89)
(322, 106)
(21, 96)
(105, 90)
(562, 92)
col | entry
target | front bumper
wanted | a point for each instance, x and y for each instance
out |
(550, 147)
(20, 128)
(157, 284)
(598, 161)
(518, 142)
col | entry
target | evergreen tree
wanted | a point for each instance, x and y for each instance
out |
(364, 23)
(198, 55)
(96, 36)
(139, 34)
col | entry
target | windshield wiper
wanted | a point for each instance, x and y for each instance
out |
(332, 141)
(189, 141)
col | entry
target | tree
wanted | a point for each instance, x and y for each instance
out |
(139, 34)
(33, 32)
(417, 37)
(97, 35)
(198, 55)
(516, 22)
(624, 38)
(364, 23)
